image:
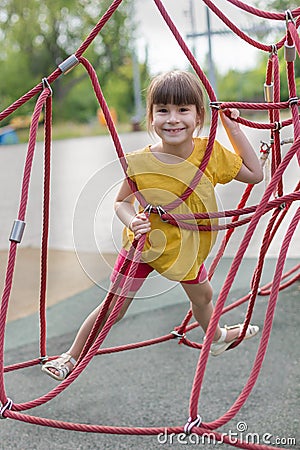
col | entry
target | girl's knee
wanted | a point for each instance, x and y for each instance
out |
(206, 296)
(203, 295)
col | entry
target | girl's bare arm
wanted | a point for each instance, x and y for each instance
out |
(125, 210)
(251, 170)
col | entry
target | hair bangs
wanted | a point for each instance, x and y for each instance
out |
(174, 90)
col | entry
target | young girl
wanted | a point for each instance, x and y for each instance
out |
(162, 172)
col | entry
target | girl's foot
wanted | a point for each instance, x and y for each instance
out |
(230, 335)
(60, 367)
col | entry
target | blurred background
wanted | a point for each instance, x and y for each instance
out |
(133, 46)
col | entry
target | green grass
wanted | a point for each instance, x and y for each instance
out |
(69, 130)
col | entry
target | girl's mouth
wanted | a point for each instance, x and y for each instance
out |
(173, 130)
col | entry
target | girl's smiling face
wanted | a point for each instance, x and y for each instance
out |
(174, 124)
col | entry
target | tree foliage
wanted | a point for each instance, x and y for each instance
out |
(249, 85)
(277, 5)
(36, 36)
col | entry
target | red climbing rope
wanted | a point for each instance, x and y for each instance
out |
(279, 206)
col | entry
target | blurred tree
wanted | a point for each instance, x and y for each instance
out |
(248, 85)
(36, 36)
(277, 5)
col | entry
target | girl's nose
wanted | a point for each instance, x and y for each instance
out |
(173, 118)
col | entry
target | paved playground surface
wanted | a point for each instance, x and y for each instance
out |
(150, 387)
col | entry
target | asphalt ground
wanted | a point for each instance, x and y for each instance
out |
(151, 387)
(148, 387)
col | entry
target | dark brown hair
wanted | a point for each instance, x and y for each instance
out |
(177, 88)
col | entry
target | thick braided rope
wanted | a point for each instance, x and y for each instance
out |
(13, 246)
(51, 78)
(263, 291)
(260, 13)
(266, 330)
(98, 342)
(45, 226)
(294, 120)
(87, 428)
(230, 278)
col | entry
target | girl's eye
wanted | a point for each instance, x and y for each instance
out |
(184, 109)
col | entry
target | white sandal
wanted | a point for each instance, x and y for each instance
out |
(219, 346)
(59, 364)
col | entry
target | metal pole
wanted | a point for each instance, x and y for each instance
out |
(137, 118)
(211, 69)
(193, 25)
(138, 106)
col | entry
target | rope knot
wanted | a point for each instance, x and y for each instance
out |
(8, 405)
(191, 423)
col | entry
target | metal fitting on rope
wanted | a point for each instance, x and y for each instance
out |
(178, 335)
(68, 64)
(287, 141)
(47, 85)
(293, 101)
(161, 212)
(216, 105)
(265, 151)
(269, 92)
(277, 126)
(17, 231)
(258, 291)
(289, 17)
(289, 52)
(282, 206)
(148, 208)
(191, 423)
(43, 359)
(274, 50)
(3, 408)
(265, 148)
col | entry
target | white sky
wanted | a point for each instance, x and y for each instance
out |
(164, 53)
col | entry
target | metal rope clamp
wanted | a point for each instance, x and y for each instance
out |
(148, 208)
(269, 92)
(293, 101)
(43, 359)
(68, 64)
(17, 231)
(8, 405)
(178, 335)
(161, 212)
(191, 423)
(289, 50)
(46, 85)
(216, 105)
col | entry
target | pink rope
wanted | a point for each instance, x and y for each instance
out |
(45, 233)
(230, 278)
(266, 330)
(261, 13)
(276, 183)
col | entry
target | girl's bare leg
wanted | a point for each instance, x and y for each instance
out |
(200, 296)
(86, 327)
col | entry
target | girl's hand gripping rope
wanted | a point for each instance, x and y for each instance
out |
(228, 117)
(140, 224)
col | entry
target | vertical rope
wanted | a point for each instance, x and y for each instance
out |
(45, 234)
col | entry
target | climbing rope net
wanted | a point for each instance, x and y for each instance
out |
(278, 204)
